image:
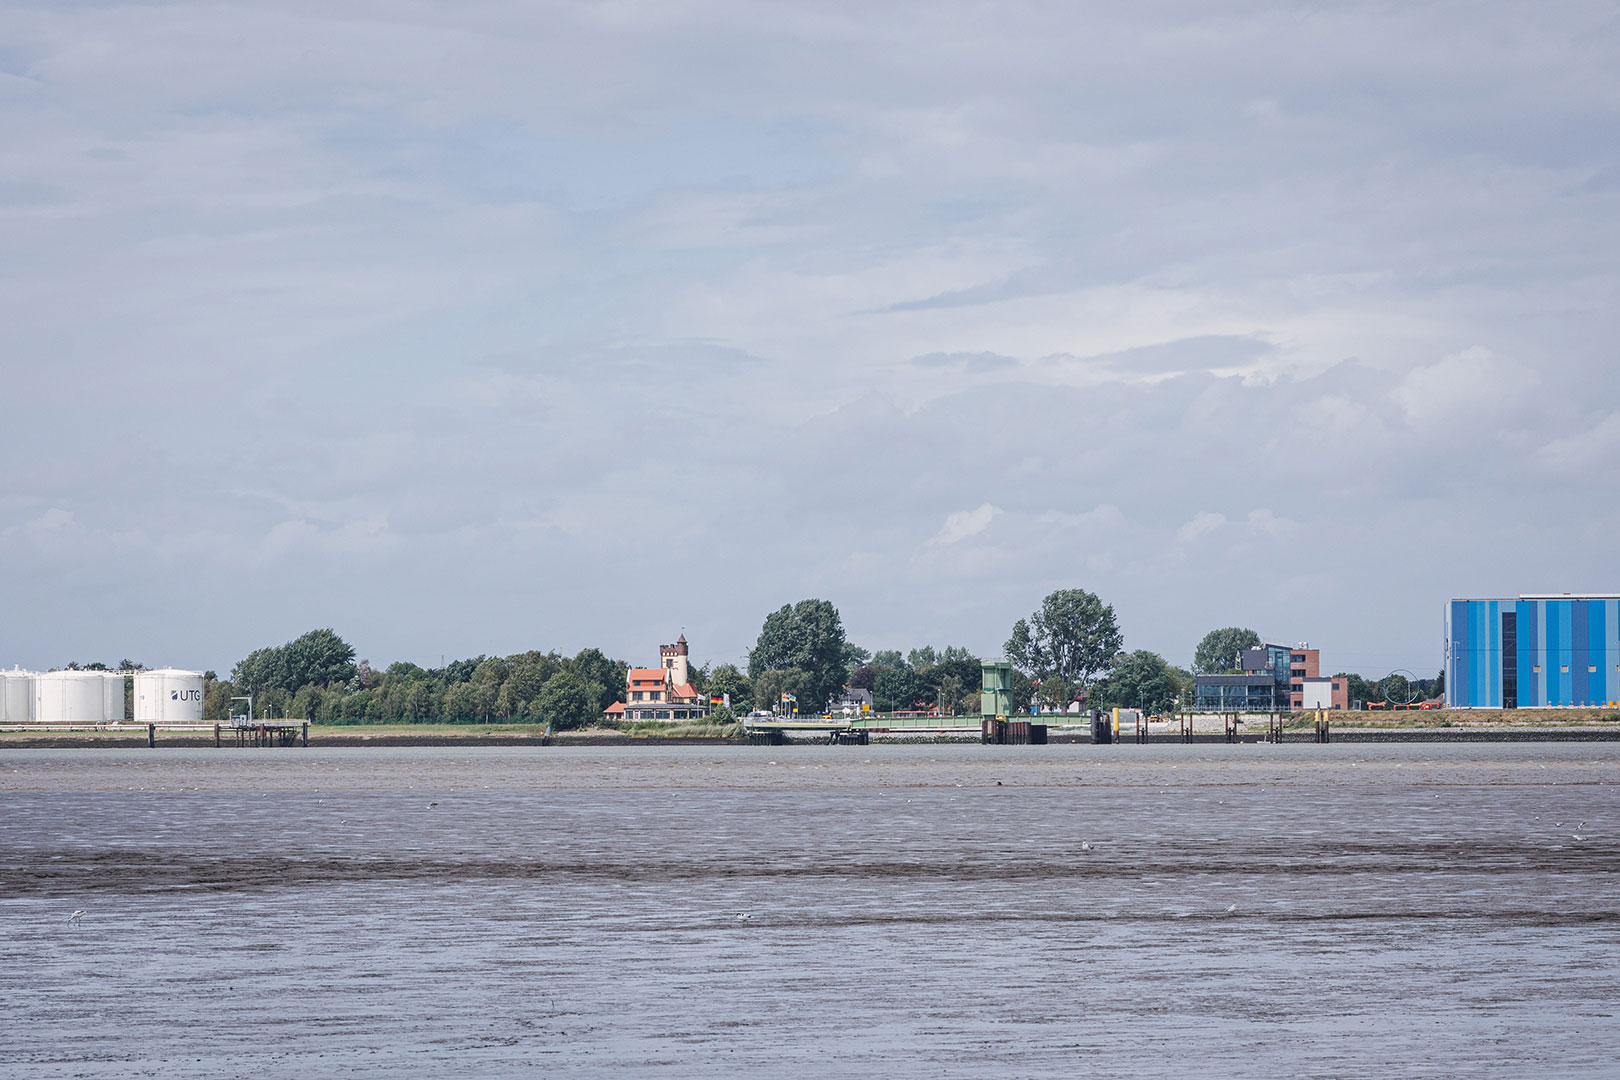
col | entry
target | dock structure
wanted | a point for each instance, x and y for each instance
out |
(265, 733)
(774, 732)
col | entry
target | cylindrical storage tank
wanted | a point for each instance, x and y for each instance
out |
(168, 696)
(16, 696)
(113, 695)
(70, 697)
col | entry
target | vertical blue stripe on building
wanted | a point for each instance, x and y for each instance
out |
(1493, 677)
(1597, 637)
(1478, 655)
(1581, 622)
(1560, 613)
(1460, 657)
(1529, 689)
(1611, 668)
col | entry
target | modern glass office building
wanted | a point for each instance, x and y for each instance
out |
(1539, 650)
(1263, 686)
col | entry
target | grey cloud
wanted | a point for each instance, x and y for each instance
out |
(972, 363)
(449, 327)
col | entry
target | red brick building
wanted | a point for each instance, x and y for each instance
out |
(1308, 688)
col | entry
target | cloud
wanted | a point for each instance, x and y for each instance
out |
(972, 363)
(1475, 381)
(966, 523)
(1597, 444)
(444, 326)
(1201, 523)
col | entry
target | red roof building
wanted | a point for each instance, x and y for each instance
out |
(663, 694)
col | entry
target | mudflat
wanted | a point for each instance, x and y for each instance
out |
(912, 910)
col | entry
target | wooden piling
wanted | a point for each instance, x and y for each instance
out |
(216, 735)
(151, 735)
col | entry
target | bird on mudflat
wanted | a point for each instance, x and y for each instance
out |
(1084, 846)
(1232, 910)
(431, 805)
(743, 916)
(76, 916)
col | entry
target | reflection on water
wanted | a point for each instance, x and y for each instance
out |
(916, 911)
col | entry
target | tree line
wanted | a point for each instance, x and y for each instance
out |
(315, 677)
(1068, 650)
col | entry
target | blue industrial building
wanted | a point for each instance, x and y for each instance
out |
(1537, 651)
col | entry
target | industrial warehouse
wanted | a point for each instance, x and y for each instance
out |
(166, 696)
(1541, 650)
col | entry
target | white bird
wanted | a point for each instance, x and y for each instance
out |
(743, 916)
(1576, 836)
(431, 805)
(76, 916)
(1232, 910)
(1085, 846)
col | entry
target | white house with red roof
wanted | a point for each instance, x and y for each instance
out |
(664, 693)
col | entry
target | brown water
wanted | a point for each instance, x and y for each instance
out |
(916, 911)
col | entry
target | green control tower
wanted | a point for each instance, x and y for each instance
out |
(995, 692)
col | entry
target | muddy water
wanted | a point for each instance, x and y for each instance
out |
(917, 911)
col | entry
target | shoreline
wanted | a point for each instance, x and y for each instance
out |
(327, 739)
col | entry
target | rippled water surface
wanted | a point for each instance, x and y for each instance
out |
(916, 911)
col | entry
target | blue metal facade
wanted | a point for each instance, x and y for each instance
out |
(1533, 652)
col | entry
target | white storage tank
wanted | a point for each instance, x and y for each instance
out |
(114, 695)
(70, 697)
(16, 696)
(168, 696)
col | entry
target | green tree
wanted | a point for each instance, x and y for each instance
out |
(308, 703)
(460, 702)
(726, 679)
(958, 663)
(1054, 692)
(258, 671)
(318, 658)
(808, 637)
(1358, 690)
(420, 702)
(509, 704)
(888, 658)
(569, 701)
(1220, 651)
(523, 685)
(1395, 688)
(769, 686)
(594, 667)
(1140, 679)
(898, 688)
(1073, 636)
(864, 677)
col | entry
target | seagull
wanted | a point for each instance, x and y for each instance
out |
(1576, 836)
(1558, 824)
(431, 805)
(1084, 846)
(1232, 910)
(76, 916)
(743, 916)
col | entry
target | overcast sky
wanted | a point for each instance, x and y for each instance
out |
(478, 327)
